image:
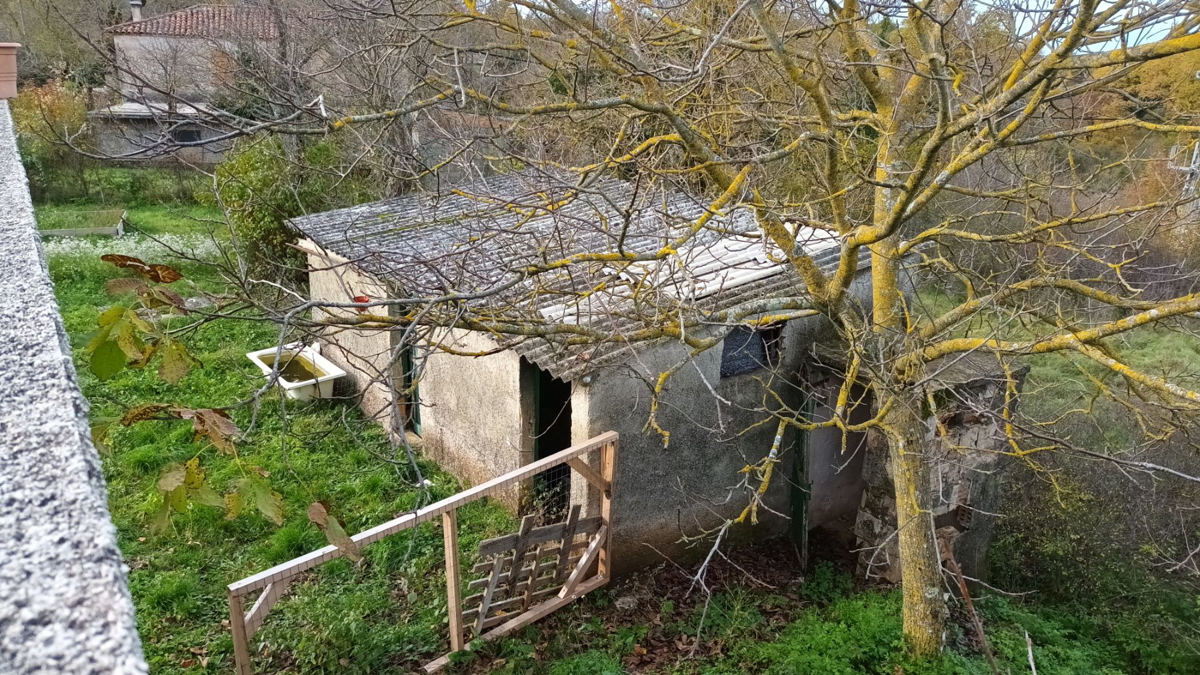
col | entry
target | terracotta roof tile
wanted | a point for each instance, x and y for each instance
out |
(206, 21)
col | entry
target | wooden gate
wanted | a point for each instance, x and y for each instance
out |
(525, 575)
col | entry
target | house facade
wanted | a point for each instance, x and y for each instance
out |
(171, 68)
(485, 403)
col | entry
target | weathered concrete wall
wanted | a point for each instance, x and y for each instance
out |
(472, 419)
(64, 598)
(472, 422)
(663, 495)
(122, 137)
(365, 355)
(581, 430)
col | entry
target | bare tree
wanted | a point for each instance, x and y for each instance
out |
(991, 145)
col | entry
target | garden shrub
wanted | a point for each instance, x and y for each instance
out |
(260, 187)
(41, 115)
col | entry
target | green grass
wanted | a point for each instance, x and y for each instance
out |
(64, 217)
(154, 220)
(175, 219)
(387, 613)
(749, 629)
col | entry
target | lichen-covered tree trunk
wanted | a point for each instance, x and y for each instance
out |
(924, 606)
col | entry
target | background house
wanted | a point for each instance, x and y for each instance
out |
(192, 55)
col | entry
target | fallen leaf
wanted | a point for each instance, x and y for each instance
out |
(143, 412)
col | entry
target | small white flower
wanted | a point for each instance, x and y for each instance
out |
(136, 245)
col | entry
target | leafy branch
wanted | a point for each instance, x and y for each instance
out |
(124, 339)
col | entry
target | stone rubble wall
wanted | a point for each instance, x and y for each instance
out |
(966, 443)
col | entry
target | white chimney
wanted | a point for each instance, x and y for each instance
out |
(135, 8)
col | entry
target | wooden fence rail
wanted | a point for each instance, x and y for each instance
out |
(511, 570)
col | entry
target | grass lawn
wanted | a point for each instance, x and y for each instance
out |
(64, 218)
(154, 220)
(387, 614)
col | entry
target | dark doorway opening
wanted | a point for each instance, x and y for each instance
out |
(550, 496)
(828, 483)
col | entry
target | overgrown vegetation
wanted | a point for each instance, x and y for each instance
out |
(261, 188)
(820, 625)
(48, 114)
(388, 613)
(1084, 538)
(1090, 540)
(385, 613)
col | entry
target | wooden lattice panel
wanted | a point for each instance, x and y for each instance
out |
(527, 567)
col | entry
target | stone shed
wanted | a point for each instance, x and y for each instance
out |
(968, 447)
(484, 402)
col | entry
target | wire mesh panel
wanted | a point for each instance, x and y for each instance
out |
(549, 495)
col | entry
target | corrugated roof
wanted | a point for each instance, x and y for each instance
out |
(148, 110)
(475, 238)
(207, 21)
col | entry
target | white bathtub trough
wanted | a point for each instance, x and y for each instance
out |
(304, 374)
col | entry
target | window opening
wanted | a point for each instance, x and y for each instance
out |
(746, 349)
